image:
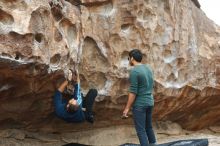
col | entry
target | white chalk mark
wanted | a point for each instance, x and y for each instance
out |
(5, 87)
(13, 59)
(105, 90)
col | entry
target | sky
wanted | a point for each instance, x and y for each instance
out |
(211, 9)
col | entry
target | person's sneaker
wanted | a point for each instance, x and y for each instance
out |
(152, 144)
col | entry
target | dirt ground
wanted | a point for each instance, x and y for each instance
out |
(110, 136)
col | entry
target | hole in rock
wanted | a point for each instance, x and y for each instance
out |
(57, 13)
(146, 14)
(167, 53)
(18, 56)
(171, 77)
(125, 55)
(55, 59)
(74, 2)
(90, 49)
(167, 6)
(6, 18)
(20, 42)
(40, 20)
(159, 29)
(70, 32)
(57, 35)
(100, 7)
(125, 27)
(39, 37)
(180, 62)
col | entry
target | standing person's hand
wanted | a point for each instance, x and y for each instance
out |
(125, 113)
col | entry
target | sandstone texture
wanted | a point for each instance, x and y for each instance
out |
(40, 40)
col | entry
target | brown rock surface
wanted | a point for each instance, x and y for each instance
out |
(38, 40)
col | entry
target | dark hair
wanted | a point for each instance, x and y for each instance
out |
(136, 54)
(72, 108)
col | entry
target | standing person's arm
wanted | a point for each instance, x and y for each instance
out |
(132, 92)
(131, 98)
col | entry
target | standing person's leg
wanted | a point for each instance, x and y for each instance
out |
(139, 115)
(149, 127)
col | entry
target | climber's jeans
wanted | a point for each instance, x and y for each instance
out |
(143, 125)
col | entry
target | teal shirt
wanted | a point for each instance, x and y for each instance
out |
(141, 84)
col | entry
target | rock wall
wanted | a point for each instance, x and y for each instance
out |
(40, 40)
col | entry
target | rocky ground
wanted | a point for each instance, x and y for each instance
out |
(39, 41)
(111, 136)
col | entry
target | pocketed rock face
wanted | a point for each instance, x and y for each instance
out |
(38, 41)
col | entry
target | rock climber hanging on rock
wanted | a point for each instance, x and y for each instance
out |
(77, 108)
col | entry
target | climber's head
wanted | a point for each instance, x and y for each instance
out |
(135, 56)
(72, 106)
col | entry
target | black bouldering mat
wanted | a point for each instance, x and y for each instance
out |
(190, 142)
(75, 144)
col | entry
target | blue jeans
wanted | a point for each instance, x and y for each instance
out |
(143, 125)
